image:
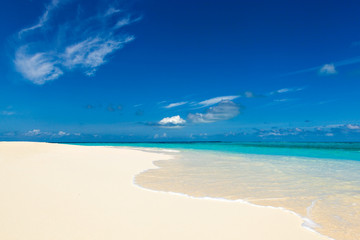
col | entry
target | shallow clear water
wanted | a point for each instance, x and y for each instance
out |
(319, 181)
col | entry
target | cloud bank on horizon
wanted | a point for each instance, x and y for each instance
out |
(56, 45)
(329, 132)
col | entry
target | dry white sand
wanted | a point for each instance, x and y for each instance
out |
(54, 191)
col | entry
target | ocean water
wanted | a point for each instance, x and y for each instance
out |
(318, 181)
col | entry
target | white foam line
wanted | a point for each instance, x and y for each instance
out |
(305, 224)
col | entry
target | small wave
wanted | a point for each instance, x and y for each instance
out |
(310, 224)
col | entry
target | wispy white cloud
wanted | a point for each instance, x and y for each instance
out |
(347, 61)
(7, 113)
(223, 111)
(328, 69)
(88, 43)
(249, 94)
(172, 105)
(282, 100)
(126, 21)
(215, 100)
(283, 90)
(90, 53)
(38, 68)
(286, 90)
(281, 132)
(43, 18)
(111, 11)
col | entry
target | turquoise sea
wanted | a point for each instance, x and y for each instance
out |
(318, 181)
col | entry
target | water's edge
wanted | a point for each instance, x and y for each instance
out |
(307, 223)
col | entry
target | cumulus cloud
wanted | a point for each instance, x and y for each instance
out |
(215, 100)
(175, 104)
(328, 69)
(39, 133)
(45, 55)
(175, 121)
(353, 127)
(62, 133)
(223, 111)
(169, 122)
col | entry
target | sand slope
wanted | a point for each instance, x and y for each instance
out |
(63, 192)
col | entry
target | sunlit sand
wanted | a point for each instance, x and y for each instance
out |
(54, 191)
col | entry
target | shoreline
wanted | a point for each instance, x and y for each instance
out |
(311, 188)
(61, 178)
(306, 221)
(241, 201)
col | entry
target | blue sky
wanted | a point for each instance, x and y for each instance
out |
(75, 70)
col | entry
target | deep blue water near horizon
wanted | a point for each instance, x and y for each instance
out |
(319, 181)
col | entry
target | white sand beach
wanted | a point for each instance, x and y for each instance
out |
(64, 192)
